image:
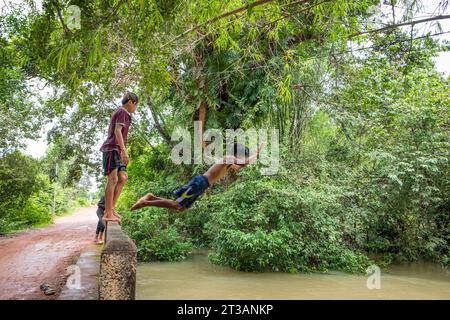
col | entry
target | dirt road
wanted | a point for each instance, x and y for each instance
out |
(31, 258)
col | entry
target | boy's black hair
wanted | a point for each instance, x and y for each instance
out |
(129, 96)
(240, 149)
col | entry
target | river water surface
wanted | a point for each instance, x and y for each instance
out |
(196, 278)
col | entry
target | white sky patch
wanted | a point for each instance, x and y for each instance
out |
(6, 4)
(36, 149)
(443, 63)
(41, 91)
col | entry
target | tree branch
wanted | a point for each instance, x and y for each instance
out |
(61, 19)
(393, 26)
(158, 126)
(222, 16)
(113, 12)
(285, 16)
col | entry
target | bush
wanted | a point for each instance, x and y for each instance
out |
(37, 212)
(18, 182)
(276, 224)
(68, 199)
(26, 194)
(155, 237)
(83, 202)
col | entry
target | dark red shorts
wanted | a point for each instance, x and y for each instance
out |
(111, 161)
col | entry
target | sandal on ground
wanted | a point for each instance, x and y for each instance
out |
(47, 289)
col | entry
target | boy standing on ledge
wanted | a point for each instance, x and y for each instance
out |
(115, 156)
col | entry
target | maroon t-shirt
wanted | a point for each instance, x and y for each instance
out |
(120, 116)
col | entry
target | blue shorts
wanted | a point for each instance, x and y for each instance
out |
(186, 195)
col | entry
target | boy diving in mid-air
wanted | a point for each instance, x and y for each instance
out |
(187, 194)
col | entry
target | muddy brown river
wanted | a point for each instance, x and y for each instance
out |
(196, 278)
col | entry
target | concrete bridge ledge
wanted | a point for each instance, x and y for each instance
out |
(117, 280)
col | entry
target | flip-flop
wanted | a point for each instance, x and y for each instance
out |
(47, 289)
(49, 292)
(44, 286)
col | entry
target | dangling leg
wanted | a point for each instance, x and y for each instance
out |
(151, 200)
(149, 197)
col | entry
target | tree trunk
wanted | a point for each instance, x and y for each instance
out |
(161, 129)
(202, 118)
(203, 106)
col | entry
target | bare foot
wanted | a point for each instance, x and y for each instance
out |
(117, 215)
(119, 218)
(142, 201)
(110, 217)
(149, 196)
(140, 204)
(100, 242)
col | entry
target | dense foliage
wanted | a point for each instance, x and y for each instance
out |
(363, 117)
(30, 195)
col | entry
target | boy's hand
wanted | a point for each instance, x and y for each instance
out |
(237, 167)
(261, 146)
(124, 156)
(229, 160)
(254, 156)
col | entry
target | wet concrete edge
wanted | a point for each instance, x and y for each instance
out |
(89, 268)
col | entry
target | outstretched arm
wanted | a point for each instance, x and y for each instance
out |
(249, 160)
(254, 156)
